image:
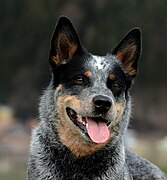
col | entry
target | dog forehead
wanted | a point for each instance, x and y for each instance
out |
(98, 62)
(103, 63)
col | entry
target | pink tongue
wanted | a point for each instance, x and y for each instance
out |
(98, 131)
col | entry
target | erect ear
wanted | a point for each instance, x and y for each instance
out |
(65, 42)
(128, 51)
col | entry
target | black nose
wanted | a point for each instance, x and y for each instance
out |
(102, 103)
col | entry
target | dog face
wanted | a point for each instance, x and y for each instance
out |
(91, 92)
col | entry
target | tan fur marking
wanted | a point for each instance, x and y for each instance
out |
(120, 55)
(69, 135)
(127, 53)
(65, 49)
(76, 143)
(132, 72)
(88, 74)
(118, 108)
(55, 59)
(126, 57)
(112, 76)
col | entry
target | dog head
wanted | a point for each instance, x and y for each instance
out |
(91, 92)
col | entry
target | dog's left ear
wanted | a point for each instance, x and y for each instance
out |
(64, 44)
(128, 51)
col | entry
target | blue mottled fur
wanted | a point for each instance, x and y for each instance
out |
(61, 150)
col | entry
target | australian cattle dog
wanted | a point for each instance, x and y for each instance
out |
(85, 112)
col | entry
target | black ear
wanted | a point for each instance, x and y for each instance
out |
(65, 42)
(128, 51)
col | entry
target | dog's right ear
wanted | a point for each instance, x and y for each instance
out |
(64, 44)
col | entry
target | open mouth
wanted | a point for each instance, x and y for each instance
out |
(95, 127)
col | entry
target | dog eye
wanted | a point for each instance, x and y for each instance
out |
(116, 87)
(79, 80)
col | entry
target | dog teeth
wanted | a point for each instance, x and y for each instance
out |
(84, 121)
(81, 119)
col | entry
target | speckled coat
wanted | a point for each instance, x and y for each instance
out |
(64, 145)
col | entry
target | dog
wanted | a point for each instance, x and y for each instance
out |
(85, 112)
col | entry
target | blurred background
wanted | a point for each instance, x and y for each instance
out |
(25, 31)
